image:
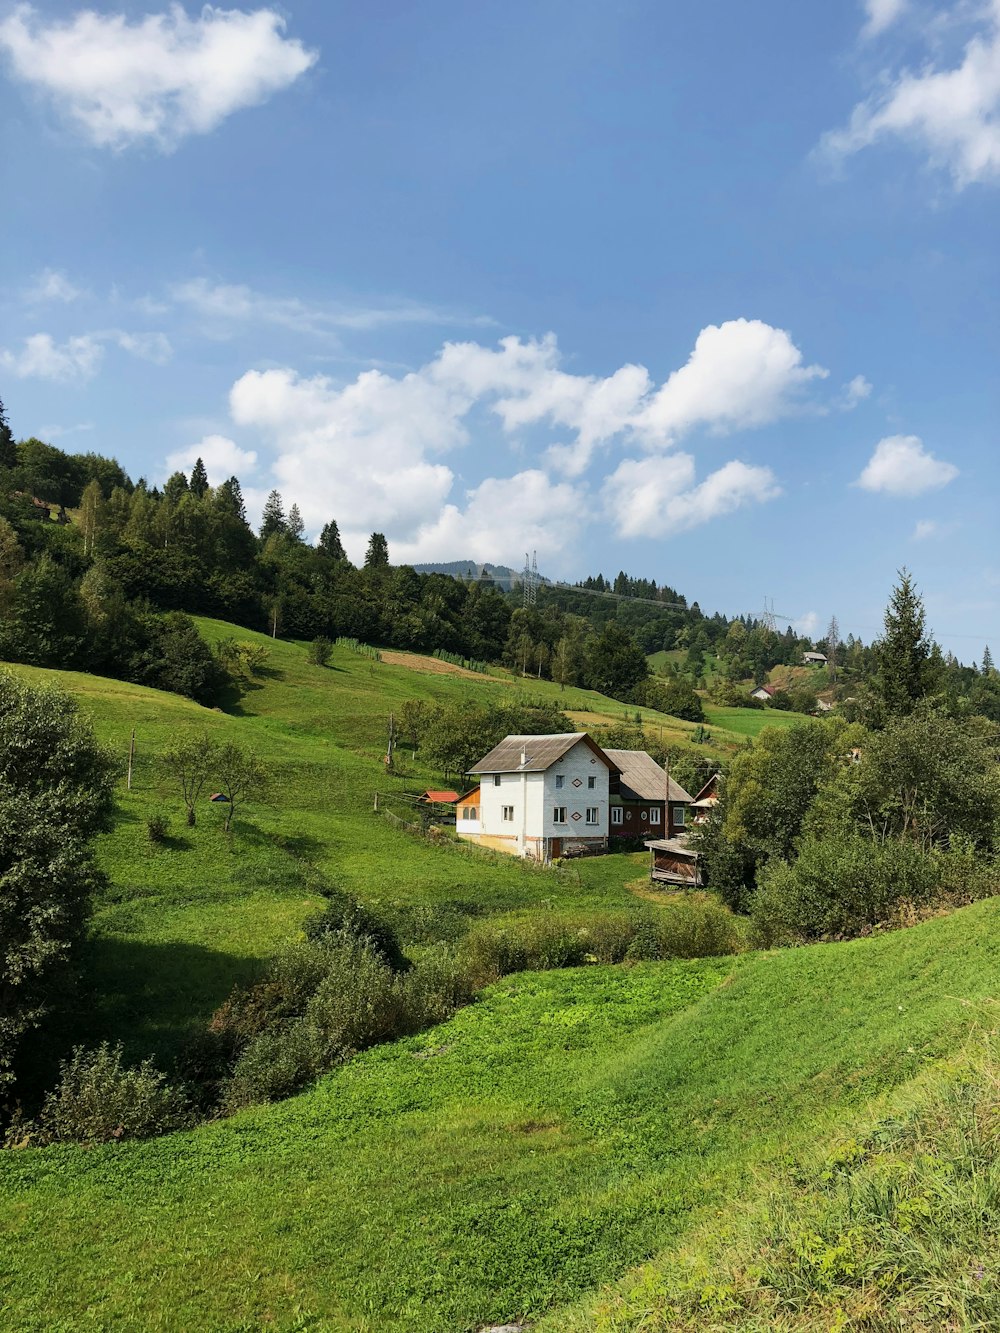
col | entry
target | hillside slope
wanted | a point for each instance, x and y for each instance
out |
(541, 1142)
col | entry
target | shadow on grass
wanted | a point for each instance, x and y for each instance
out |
(154, 997)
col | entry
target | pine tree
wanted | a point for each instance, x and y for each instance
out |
(229, 497)
(273, 517)
(377, 555)
(199, 480)
(905, 669)
(295, 525)
(832, 647)
(987, 667)
(8, 449)
(330, 543)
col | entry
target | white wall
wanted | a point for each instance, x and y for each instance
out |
(535, 795)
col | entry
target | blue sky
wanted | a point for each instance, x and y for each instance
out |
(707, 292)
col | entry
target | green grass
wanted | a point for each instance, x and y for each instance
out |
(748, 721)
(541, 1143)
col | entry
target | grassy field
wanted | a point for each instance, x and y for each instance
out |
(511, 1163)
(539, 1145)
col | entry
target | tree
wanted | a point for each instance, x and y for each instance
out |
(91, 515)
(616, 664)
(56, 793)
(296, 527)
(189, 763)
(987, 667)
(199, 480)
(377, 555)
(330, 543)
(8, 449)
(904, 672)
(273, 518)
(241, 777)
(832, 648)
(320, 650)
(11, 560)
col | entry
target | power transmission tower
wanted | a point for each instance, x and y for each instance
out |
(770, 620)
(529, 581)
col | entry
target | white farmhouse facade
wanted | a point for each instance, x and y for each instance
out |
(540, 796)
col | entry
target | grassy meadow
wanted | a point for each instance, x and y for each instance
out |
(543, 1155)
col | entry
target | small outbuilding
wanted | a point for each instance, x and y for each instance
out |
(436, 797)
(706, 800)
(814, 659)
(763, 693)
(673, 861)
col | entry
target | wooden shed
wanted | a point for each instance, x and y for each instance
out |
(674, 861)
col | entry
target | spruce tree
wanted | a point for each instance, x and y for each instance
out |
(229, 497)
(273, 517)
(377, 555)
(987, 667)
(199, 479)
(295, 525)
(904, 673)
(330, 543)
(8, 449)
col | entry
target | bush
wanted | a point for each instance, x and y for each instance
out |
(98, 1100)
(320, 651)
(840, 888)
(344, 915)
(438, 986)
(157, 828)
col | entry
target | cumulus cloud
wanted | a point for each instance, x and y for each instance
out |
(950, 114)
(51, 285)
(656, 497)
(807, 624)
(41, 357)
(225, 307)
(742, 373)
(502, 517)
(376, 453)
(157, 79)
(902, 466)
(154, 347)
(855, 392)
(880, 15)
(223, 458)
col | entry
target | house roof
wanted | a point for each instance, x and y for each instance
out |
(438, 797)
(642, 777)
(675, 845)
(539, 753)
(814, 657)
(768, 689)
(473, 791)
(708, 794)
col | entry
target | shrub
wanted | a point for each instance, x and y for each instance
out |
(157, 828)
(437, 987)
(344, 915)
(839, 888)
(320, 651)
(99, 1099)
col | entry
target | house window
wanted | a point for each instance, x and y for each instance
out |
(654, 815)
(592, 782)
(508, 814)
(593, 814)
(559, 779)
(496, 779)
(679, 816)
(470, 812)
(559, 814)
(616, 814)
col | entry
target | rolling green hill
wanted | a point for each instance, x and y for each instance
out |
(543, 1144)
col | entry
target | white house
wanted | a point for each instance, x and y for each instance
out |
(814, 659)
(540, 796)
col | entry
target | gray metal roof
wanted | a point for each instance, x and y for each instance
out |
(642, 777)
(538, 753)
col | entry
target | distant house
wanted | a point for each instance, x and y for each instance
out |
(763, 693)
(824, 706)
(434, 796)
(540, 797)
(814, 659)
(673, 861)
(706, 800)
(639, 797)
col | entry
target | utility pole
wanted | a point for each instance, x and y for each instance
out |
(131, 760)
(392, 742)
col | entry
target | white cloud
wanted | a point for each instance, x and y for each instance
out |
(902, 466)
(223, 458)
(656, 497)
(806, 625)
(226, 307)
(742, 373)
(855, 392)
(371, 452)
(157, 79)
(926, 528)
(880, 15)
(43, 358)
(952, 115)
(50, 285)
(502, 518)
(154, 347)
